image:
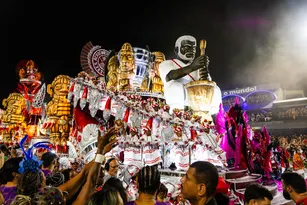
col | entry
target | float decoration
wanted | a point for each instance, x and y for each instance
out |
(13, 119)
(94, 59)
(29, 79)
(149, 109)
(58, 111)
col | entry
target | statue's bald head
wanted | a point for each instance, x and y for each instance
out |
(184, 37)
(185, 47)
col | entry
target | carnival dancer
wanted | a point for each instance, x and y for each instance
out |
(134, 136)
(175, 73)
(151, 150)
(181, 149)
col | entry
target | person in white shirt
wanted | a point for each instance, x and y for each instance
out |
(111, 168)
(175, 73)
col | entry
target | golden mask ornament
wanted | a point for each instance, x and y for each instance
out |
(15, 105)
(126, 67)
(59, 109)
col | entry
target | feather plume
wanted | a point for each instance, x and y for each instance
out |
(37, 146)
(28, 154)
(22, 141)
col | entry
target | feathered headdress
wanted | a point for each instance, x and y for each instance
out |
(30, 162)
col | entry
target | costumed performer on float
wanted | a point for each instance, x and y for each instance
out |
(175, 73)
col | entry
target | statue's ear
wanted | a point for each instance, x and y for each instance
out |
(49, 90)
(4, 102)
(176, 50)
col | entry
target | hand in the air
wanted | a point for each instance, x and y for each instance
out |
(106, 141)
(110, 146)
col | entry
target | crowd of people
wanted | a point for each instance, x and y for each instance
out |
(267, 115)
(295, 113)
(97, 183)
(260, 116)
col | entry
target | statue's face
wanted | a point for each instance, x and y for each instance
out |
(61, 87)
(126, 57)
(187, 50)
(31, 67)
(15, 105)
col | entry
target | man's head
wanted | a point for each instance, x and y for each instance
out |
(185, 47)
(255, 194)
(200, 181)
(49, 160)
(292, 184)
(148, 179)
(112, 167)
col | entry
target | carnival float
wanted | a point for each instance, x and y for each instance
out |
(124, 89)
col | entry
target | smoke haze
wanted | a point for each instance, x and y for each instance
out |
(281, 54)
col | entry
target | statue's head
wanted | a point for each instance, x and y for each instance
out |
(126, 56)
(185, 47)
(59, 87)
(14, 104)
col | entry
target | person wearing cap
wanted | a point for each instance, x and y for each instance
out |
(175, 73)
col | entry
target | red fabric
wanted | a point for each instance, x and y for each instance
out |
(126, 116)
(222, 186)
(302, 202)
(181, 67)
(108, 104)
(82, 119)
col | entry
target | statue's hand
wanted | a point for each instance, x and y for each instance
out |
(200, 62)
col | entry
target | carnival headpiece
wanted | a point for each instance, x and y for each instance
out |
(177, 129)
(30, 162)
(149, 124)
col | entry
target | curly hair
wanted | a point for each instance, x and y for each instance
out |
(30, 182)
(48, 195)
(55, 179)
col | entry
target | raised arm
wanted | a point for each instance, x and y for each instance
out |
(73, 185)
(105, 144)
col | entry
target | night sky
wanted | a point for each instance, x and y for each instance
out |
(238, 33)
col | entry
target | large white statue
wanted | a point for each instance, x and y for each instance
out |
(175, 73)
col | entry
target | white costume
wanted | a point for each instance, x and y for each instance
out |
(174, 91)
